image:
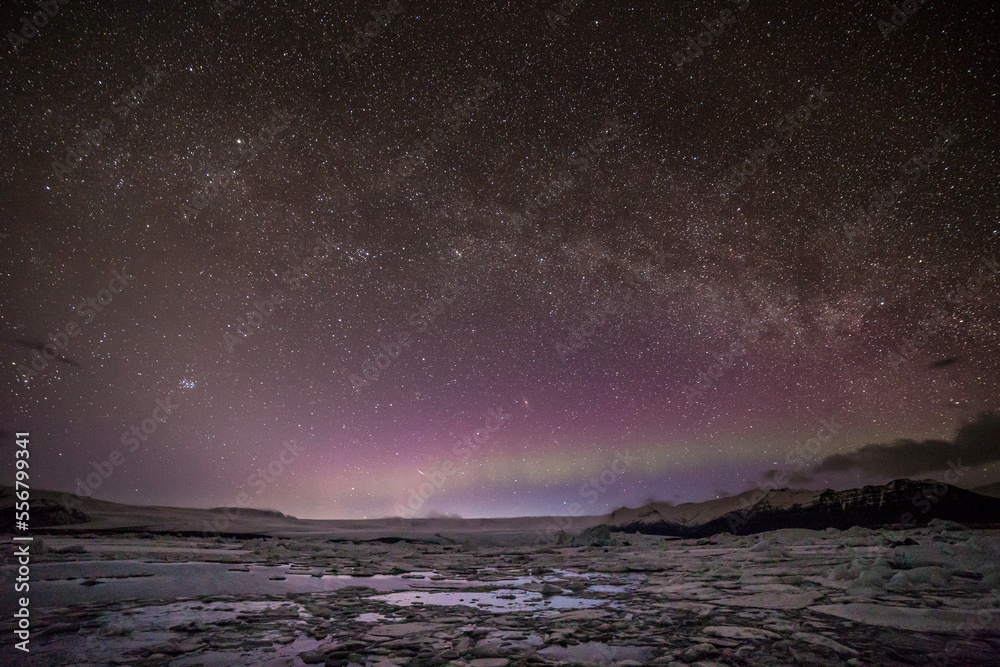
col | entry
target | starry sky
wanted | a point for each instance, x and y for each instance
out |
(366, 258)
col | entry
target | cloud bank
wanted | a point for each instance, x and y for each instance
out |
(976, 443)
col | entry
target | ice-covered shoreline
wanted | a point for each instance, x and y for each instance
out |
(795, 596)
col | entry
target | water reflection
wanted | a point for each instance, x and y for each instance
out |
(500, 600)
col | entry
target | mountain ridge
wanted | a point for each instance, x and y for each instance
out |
(988, 490)
(903, 501)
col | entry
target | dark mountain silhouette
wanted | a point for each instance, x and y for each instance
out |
(988, 490)
(252, 512)
(45, 511)
(900, 502)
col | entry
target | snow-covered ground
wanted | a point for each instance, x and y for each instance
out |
(861, 597)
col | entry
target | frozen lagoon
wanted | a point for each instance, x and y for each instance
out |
(922, 596)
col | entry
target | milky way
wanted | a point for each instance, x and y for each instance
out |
(492, 259)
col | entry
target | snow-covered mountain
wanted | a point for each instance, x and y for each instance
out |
(902, 501)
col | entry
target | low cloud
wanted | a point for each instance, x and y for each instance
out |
(976, 443)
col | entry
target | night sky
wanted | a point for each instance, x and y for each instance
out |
(502, 250)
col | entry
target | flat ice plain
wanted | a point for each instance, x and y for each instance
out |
(468, 593)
